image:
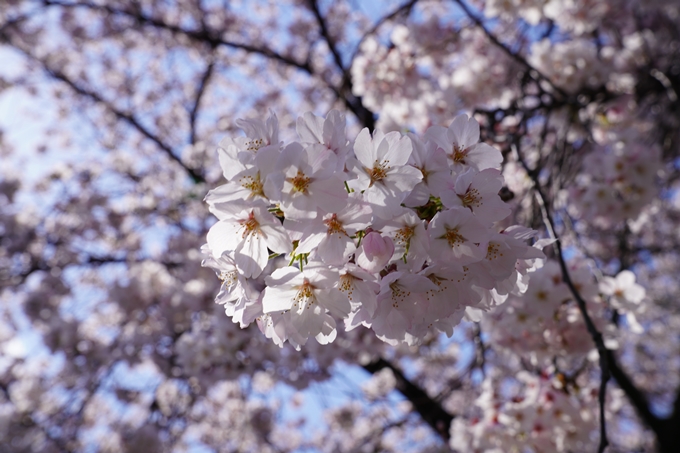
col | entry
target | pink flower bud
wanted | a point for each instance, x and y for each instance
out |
(375, 251)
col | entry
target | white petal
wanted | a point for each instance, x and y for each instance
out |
(223, 236)
(363, 148)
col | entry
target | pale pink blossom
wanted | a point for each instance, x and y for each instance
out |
(382, 171)
(307, 182)
(457, 237)
(478, 191)
(461, 144)
(248, 234)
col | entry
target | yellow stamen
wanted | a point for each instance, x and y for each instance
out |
(250, 226)
(254, 184)
(404, 235)
(334, 226)
(300, 182)
(304, 298)
(458, 154)
(378, 172)
(492, 251)
(453, 237)
(254, 145)
(471, 199)
(347, 285)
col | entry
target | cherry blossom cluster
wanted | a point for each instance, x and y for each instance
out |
(541, 323)
(577, 16)
(544, 322)
(534, 413)
(390, 231)
(616, 183)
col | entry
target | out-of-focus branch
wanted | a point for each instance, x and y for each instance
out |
(197, 101)
(429, 409)
(344, 91)
(126, 117)
(405, 8)
(606, 358)
(665, 429)
(197, 35)
(480, 350)
(515, 56)
(314, 6)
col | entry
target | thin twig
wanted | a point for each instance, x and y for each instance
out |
(197, 35)
(126, 117)
(405, 7)
(345, 90)
(604, 353)
(197, 101)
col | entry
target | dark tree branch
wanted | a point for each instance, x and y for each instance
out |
(197, 101)
(203, 35)
(344, 92)
(314, 6)
(666, 430)
(430, 410)
(515, 56)
(480, 350)
(406, 7)
(606, 358)
(126, 117)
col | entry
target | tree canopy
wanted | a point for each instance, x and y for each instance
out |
(339, 226)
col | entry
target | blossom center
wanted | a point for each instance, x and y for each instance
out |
(459, 154)
(254, 145)
(334, 225)
(347, 285)
(453, 237)
(300, 182)
(472, 198)
(493, 251)
(250, 225)
(404, 235)
(305, 297)
(399, 294)
(229, 278)
(378, 172)
(254, 184)
(425, 173)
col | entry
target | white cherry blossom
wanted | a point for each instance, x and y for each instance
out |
(382, 171)
(431, 161)
(329, 131)
(478, 191)
(461, 144)
(237, 153)
(332, 234)
(398, 308)
(247, 187)
(248, 233)
(307, 182)
(456, 235)
(411, 241)
(307, 297)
